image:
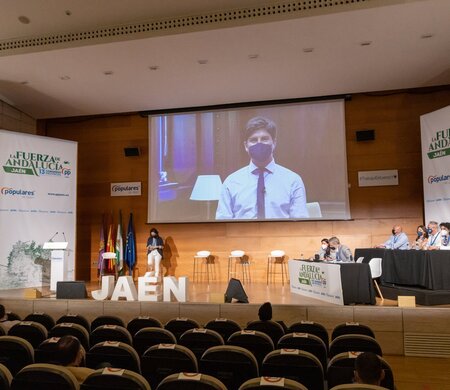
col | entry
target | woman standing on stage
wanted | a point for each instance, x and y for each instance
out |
(155, 247)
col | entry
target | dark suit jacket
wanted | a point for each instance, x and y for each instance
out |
(159, 242)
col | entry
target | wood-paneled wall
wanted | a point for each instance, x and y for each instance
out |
(101, 160)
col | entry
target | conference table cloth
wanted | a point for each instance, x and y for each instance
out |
(357, 285)
(418, 268)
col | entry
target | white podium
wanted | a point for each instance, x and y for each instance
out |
(58, 268)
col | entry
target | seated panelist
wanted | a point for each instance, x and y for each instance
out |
(398, 239)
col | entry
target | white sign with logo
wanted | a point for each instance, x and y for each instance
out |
(38, 187)
(435, 130)
(126, 189)
(316, 280)
(378, 178)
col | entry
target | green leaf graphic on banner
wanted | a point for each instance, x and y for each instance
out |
(439, 153)
(304, 281)
(22, 171)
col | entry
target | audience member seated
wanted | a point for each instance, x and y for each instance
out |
(445, 238)
(434, 236)
(398, 239)
(265, 314)
(324, 252)
(4, 322)
(421, 239)
(368, 369)
(339, 252)
(71, 354)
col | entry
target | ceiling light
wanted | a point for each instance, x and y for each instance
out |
(64, 77)
(23, 19)
(68, 12)
(202, 62)
(308, 50)
(253, 56)
(153, 67)
(24, 82)
(365, 43)
(108, 72)
(426, 36)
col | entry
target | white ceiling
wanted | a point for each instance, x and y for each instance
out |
(397, 58)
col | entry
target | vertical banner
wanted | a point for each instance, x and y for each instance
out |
(316, 280)
(37, 203)
(435, 130)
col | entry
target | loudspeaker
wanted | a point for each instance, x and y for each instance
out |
(131, 152)
(235, 291)
(365, 135)
(71, 290)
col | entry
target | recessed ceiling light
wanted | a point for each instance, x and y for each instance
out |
(253, 56)
(23, 19)
(68, 12)
(426, 36)
(308, 50)
(365, 43)
(24, 82)
(65, 77)
(108, 72)
(153, 67)
(202, 62)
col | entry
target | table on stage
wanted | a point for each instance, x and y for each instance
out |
(426, 269)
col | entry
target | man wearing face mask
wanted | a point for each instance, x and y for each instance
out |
(445, 238)
(339, 252)
(434, 236)
(398, 240)
(262, 189)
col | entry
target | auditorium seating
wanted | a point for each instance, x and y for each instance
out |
(141, 322)
(191, 381)
(357, 386)
(110, 333)
(2, 331)
(15, 353)
(198, 340)
(34, 332)
(148, 337)
(106, 320)
(74, 319)
(225, 327)
(162, 360)
(306, 342)
(273, 329)
(41, 318)
(300, 366)
(5, 377)
(114, 354)
(13, 316)
(45, 352)
(71, 329)
(111, 378)
(272, 383)
(230, 364)
(256, 342)
(351, 328)
(44, 377)
(354, 342)
(180, 325)
(310, 327)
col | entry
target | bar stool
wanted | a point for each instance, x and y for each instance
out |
(239, 257)
(276, 257)
(204, 257)
(108, 256)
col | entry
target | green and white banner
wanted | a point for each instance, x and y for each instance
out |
(435, 129)
(37, 203)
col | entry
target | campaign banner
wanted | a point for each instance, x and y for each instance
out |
(37, 203)
(435, 134)
(316, 280)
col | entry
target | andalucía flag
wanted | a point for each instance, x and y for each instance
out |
(119, 244)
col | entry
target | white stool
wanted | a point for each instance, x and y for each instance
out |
(277, 257)
(239, 257)
(108, 256)
(204, 257)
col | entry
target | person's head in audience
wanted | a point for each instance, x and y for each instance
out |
(3, 315)
(421, 232)
(69, 352)
(265, 312)
(334, 243)
(368, 369)
(432, 227)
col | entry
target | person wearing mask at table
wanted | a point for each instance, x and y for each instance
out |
(339, 252)
(324, 252)
(155, 247)
(421, 239)
(398, 240)
(445, 238)
(434, 236)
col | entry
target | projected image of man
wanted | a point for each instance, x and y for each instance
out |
(262, 189)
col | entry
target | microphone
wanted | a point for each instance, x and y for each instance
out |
(51, 239)
(64, 236)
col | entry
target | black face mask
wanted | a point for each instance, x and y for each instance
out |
(393, 232)
(332, 248)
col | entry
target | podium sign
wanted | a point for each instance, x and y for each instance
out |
(58, 269)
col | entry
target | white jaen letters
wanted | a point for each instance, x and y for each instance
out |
(148, 289)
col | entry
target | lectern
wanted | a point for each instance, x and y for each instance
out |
(58, 269)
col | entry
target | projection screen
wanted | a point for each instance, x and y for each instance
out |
(278, 162)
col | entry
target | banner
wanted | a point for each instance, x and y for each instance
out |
(37, 203)
(435, 132)
(316, 280)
